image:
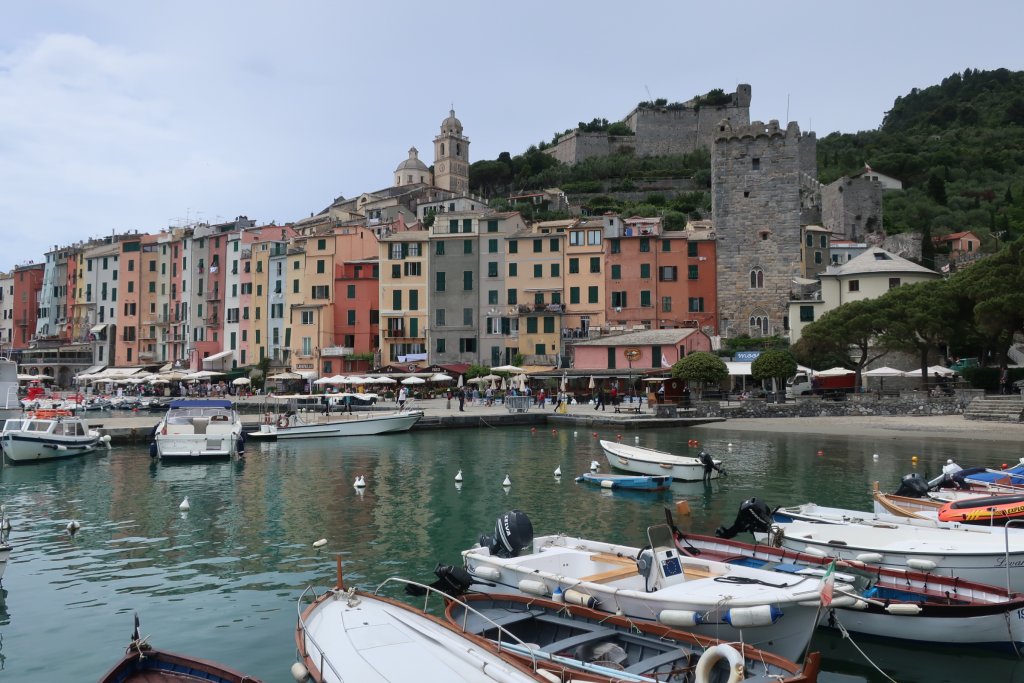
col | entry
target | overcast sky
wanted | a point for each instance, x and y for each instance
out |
(128, 115)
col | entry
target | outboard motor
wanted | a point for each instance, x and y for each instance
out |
(754, 516)
(513, 531)
(451, 580)
(913, 485)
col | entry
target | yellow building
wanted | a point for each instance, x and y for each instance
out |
(403, 297)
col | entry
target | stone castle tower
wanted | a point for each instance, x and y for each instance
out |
(756, 178)
(451, 156)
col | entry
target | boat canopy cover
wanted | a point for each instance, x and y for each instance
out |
(201, 403)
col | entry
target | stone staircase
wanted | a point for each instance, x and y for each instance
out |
(995, 409)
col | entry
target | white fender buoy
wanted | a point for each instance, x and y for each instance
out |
(360, 482)
(558, 471)
(533, 587)
(680, 617)
(594, 465)
(903, 609)
(320, 544)
(579, 598)
(759, 615)
(507, 482)
(874, 456)
(73, 527)
(184, 506)
(106, 440)
(711, 657)
(870, 558)
(489, 573)
(921, 565)
(458, 476)
(299, 672)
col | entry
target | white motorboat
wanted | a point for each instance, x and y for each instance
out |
(895, 604)
(198, 428)
(656, 583)
(292, 426)
(982, 554)
(48, 435)
(649, 461)
(352, 635)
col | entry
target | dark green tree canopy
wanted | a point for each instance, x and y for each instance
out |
(774, 364)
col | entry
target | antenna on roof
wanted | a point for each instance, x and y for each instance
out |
(649, 95)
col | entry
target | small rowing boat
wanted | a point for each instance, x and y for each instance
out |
(649, 461)
(626, 482)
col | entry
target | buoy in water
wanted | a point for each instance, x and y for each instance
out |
(594, 465)
(913, 458)
(458, 476)
(820, 452)
(558, 471)
(874, 456)
(73, 527)
(184, 506)
(320, 544)
(360, 482)
(682, 507)
(507, 482)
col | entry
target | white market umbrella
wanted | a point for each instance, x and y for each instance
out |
(591, 384)
(489, 378)
(286, 375)
(413, 380)
(834, 372)
(932, 370)
(25, 378)
(441, 377)
(384, 380)
(241, 381)
(493, 388)
(883, 372)
(508, 368)
(322, 381)
(460, 381)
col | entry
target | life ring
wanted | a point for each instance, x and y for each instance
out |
(282, 422)
(711, 657)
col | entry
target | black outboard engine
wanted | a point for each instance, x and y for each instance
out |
(513, 531)
(913, 485)
(451, 580)
(754, 516)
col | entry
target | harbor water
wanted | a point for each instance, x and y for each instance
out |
(221, 580)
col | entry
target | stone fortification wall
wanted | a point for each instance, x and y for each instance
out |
(658, 131)
(576, 146)
(908, 403)
(809, 154)
(756, 204)
(852, 208)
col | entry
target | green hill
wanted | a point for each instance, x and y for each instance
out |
(958, 147)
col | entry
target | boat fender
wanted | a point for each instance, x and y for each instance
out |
(489, 573)
(578, 598)
(282, 422)
(533, 587)
(711, 656)
(761, 615)
(607, 484)
(299, 672)
(903, 609)
(811, 550)
(680, 617)
(152, 449)
(870, 558)
(921, 565)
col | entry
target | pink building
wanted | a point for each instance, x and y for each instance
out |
(639, 351)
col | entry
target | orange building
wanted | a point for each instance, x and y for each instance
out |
(28, 280)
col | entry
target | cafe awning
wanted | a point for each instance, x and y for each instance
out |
(217, 356)
(96, 329)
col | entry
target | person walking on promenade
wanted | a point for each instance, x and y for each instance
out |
(462, 400)
(599, 400)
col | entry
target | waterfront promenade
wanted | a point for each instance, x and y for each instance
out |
(137, 427)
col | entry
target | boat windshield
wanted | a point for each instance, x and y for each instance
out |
(199, 412)
(660, 537)
(12, 426)
(37, 426)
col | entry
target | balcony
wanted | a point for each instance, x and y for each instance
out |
(159, 319)
(212, 320)
(213, 295)
(394, 333)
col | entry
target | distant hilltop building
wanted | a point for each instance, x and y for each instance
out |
(670, 129)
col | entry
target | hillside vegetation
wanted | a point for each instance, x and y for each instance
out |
(958, 147)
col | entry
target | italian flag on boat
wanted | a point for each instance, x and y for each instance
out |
(827, 585)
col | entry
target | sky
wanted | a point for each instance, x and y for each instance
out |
(123, 115)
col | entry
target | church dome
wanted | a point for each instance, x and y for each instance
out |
(413, 163)
(451, 124)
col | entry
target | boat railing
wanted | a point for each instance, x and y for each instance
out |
(1006, 540)
(503, 633)
(304, 651)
